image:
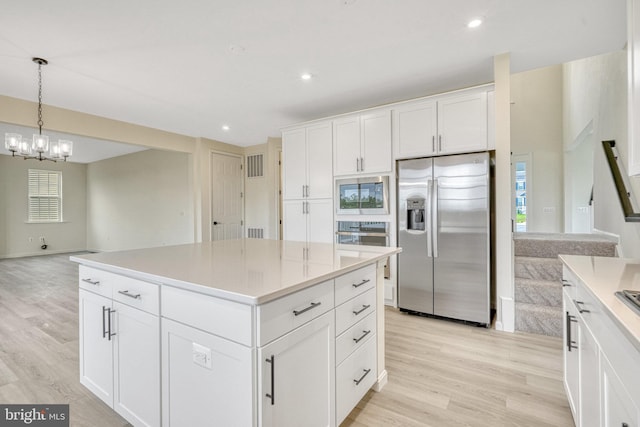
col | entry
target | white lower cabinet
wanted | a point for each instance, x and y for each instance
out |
(296, 372)
(354, 377)
(206, 380)
(601, 378)
(119, 357)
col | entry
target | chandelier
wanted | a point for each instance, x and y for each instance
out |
(38, 147)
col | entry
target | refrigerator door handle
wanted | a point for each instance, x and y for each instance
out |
(428, 219)
(435, 226)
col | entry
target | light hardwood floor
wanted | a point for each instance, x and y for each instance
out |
(440, 373)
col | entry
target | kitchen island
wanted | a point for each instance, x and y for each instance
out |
(238, 332)
(601, 340)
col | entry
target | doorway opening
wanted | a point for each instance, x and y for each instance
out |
(521, 184)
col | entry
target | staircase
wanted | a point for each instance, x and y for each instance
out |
(538, 276)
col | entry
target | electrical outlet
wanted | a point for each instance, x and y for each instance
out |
(30, 239)
(41, 239)
(202, 356)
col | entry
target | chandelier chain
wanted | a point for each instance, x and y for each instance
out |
(40, 122)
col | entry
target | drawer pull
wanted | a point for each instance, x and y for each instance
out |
(272, 362)
(92, 282)
(361, 283)
(364, 334)
(580, 309)
(364, 307)
(304, 310)
(565, 283)
(127, 294)
(366, 372)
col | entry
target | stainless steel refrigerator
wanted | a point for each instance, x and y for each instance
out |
(443, 229)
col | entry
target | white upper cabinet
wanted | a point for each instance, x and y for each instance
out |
(633, 77)
(362, 144)
(446, 124)
(307, 167)
(415, 130)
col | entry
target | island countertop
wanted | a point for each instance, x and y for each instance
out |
(603, 277)
(249, 271)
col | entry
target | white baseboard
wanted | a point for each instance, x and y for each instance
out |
(506, 322)
(42, 252)
(382, 381)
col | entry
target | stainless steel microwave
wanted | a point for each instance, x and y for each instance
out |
(363, 196)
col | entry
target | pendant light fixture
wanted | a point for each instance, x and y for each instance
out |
(39, 146)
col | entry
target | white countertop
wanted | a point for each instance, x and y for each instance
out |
(603, 277)
(250, 271)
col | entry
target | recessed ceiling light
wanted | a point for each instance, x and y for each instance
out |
(225, 128)
(306, 76)
(474, 23)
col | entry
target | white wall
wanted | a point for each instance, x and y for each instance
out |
(15, 231)
(536, 128)
(596, 110)
(140, 200)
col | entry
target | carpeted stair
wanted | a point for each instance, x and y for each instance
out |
(538, 276)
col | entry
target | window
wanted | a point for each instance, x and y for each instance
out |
(45, 196)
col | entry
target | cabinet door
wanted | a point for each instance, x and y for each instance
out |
(137, 365)
(206, 380)
(589, 353)
(297, 377)
(293, 163)
(96, 349)
(462, 123)
(320, 161)
(294, 219)
(320, 221)
(414, 130)
(346, 145)
(571, 357)
(376, 142)
(619, 409)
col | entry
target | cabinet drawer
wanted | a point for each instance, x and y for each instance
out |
(355, 309)
(355, 283)
(136, 293)
(569, 282)
(355, 337)
(354, 377)
(280, 316)
(96, 281)
(217, 316)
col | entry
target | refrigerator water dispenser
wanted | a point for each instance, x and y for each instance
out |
(415, 214)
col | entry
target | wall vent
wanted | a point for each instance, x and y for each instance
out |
(255, 233)
(255, 166)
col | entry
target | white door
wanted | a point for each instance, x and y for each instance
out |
(346, 146)
(415, 130)
(96, 354)
(137, 365)
(376, 142)
(297, 375)
(462, 123)
(226, 197)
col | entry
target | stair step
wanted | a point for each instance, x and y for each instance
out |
(538, 319)
(540, 292)
(537, 268)
(543, 245)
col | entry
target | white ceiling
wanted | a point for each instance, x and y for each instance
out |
(191, 66)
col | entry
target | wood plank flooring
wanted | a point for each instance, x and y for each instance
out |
(440, 373)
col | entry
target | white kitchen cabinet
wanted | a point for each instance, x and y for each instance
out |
(207, 380)
(633, 78)
(589, 354)
(308, 220)
(362, 144)
(571, 357)
(619, 409)
(307, 162)
(119, 345)
(457, 123)
(296, 372)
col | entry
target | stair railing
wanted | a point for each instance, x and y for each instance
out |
(623, 194)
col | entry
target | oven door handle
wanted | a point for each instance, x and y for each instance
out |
(359, 233)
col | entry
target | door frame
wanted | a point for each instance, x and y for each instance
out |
(242, 182)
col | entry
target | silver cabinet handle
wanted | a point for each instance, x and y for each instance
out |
(361, 164)
(364, 334)
(307, 190)
(308, 210)
(106, 329)
(565, 283)
(439, 142)
(357, 164)
(127, 294)
(303, 190)
(366, 372)
(580, 309)
(104, 322)
(272, 361)
(433, 143)
(364, 307)
(357, 285)
(92, 282)
(570, 342)
(304, 310)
